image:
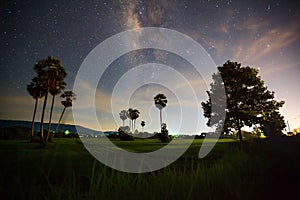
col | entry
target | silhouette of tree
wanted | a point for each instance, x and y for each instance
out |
(58, 86)
(124, 134)
(35, 89)
(160, 101)
(68, 102)
(49, 72)
(272, 123)
(249, 102)
(143, 124)
(130, 116)
(135, 115)
(123, 116)
(164, 134)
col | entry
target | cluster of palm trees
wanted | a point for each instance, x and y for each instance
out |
(132, 115)
(160, 101)
(49, 79)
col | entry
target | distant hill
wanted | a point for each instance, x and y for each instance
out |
(62, 127)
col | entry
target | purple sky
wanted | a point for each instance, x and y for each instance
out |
(261, 34)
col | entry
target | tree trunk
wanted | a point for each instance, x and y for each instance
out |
(60, 119)
(50, 118)
(123, 123)
(240, 134)
(33, 118)
(42, 118)
(130, 124)
(160, 118)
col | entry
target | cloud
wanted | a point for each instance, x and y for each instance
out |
(269, 42)
(101, 99)
(20, 106)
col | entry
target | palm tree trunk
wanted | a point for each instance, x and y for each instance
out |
(123, 123)
(130, 124)
(240, 134)
(60, 119)
(239, 130)
(160, 117)
(33, 118)
(42, 118)
(50, 117)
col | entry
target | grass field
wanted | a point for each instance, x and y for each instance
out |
(258, 169)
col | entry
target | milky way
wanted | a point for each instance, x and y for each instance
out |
(262, 34)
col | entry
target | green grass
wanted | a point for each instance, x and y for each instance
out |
(261, 169)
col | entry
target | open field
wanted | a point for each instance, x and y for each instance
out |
(258, 169)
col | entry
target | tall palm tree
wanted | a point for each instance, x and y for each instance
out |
(58, 86)
(48, 71)
(36, 91)
(68, 102)
(135, 115)
(130, 117)
(143, 124)
(160, 101)
(123, 115)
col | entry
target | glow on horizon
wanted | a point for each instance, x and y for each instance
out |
(242, 31)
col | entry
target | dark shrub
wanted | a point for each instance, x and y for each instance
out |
(164, 134)
(15, 132)
(124, 133)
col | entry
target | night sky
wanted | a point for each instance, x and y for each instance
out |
(261, 34)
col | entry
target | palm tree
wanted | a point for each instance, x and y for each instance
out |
(160, 101)
(135, 115)
(143, 124)
(49, 72)
(130, 116)
(36, 91)
(123, 115)
(69, 96)
(58, 86)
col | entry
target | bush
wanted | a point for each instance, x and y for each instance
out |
(124, 133)
(164, 134)
(112, 136)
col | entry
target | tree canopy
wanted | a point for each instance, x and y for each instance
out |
(249, 101)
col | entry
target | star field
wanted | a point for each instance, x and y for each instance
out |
(262, 34)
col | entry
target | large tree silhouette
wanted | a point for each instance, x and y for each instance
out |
(49, 72)
(35, 89)
(160, 101)
(249, 102)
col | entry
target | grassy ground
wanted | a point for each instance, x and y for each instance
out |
(262, 169)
